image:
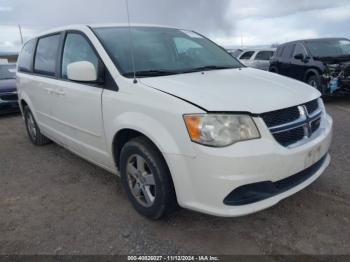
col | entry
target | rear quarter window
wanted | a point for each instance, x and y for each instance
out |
(25, 60)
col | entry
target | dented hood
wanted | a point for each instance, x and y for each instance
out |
(244, 90)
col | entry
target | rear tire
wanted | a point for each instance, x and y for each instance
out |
(35, 136)
(146, 179)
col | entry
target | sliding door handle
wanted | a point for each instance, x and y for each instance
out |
(49, 90)
(60, 92)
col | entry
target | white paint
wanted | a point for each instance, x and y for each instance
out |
(85, 119)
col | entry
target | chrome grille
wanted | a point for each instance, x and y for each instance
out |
(311, 106)
(292, 125)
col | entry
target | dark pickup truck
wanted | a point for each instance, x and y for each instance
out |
(323, 63)
(8, 90)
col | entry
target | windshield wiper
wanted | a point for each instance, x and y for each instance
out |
(207, 68)
(151, 73)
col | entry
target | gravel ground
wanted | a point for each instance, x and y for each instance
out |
(53, 202)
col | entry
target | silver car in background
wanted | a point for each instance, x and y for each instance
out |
(256, 58)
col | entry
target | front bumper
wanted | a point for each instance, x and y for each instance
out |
(9, 102)
(203, 182)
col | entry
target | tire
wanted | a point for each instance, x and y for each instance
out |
(152, 198)
(33, 131)
(314, 81)
(273, 70)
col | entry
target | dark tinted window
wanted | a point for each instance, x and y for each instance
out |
(7, 71)
(46, 54)
(77, 48)
(279, 51)
(264, 55)
(299, 49)
(246, 55)
(287, 51)
(25, 60)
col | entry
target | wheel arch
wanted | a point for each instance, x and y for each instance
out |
(310, 72)
(126, 134)
(25, 101)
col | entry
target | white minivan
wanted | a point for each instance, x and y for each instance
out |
(178, 118)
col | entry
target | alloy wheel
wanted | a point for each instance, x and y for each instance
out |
(141, 180)
(31, 125)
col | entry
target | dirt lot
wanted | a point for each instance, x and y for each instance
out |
(52, 202)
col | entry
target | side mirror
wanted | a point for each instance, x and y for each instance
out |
(82, 71)
(299, 57)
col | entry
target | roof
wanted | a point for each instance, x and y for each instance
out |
(84, 26)
(315, 39)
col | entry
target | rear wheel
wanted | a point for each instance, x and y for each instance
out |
(146, 178)
(33, 130)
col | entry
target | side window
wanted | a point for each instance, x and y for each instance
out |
(279, 51)
(77, 48)
(25, 61)
(46, 54)
(246, 55)
(264, 55)
(299, 49)
(287, 51)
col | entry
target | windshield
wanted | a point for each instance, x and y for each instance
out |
(329, 47)
(7, 72)
(162, 51)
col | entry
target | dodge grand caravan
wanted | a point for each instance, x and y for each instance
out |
(178, 118)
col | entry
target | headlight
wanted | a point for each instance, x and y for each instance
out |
(220, 130)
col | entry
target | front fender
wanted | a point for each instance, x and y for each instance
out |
(175, 141)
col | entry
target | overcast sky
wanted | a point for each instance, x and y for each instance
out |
(258, 22)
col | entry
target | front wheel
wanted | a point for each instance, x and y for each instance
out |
(315, 82)
(146, 178)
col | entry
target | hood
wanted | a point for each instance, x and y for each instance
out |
(7, 85)
(243, 90)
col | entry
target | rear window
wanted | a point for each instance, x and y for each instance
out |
(246, 55)
(25, 60)
(46, 55)
(264, 55)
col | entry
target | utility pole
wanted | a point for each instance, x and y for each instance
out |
(20, 33)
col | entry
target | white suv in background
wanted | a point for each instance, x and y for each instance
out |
(256, 58)
(193, 128)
